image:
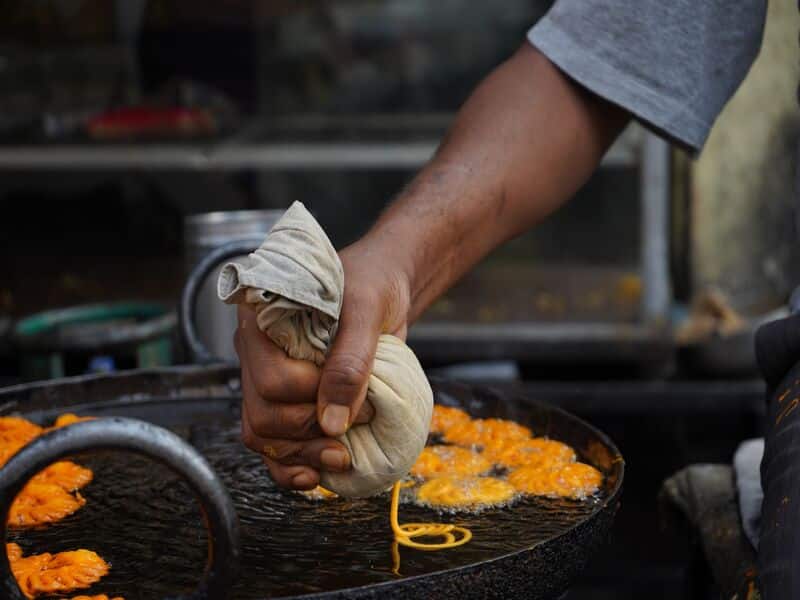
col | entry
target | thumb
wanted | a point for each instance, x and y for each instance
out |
(345, 374)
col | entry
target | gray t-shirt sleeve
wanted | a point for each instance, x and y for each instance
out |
(672, 63)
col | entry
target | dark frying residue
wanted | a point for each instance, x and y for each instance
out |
(145, 522)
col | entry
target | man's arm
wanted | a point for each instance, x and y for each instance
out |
(523, 143)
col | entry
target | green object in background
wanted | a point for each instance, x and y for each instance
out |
(51, 343)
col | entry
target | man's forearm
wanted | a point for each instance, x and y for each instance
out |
(523, 143)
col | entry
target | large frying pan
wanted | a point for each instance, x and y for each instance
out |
(292, 547)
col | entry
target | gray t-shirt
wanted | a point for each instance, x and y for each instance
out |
(672, 63)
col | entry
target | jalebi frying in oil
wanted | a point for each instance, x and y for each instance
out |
(574, 480)
(16, 428)
(55, 573)
(534, 452)
(468, 493)
(435, 461)
(42, 503)
(484, 432)
(66, 475)
(445, 417)
(69, 419)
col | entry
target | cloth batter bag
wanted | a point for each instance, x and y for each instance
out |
(295, 281)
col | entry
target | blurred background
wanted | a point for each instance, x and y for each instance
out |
(133, 135)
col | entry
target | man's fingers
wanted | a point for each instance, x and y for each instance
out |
(292, 477)
(275, 376)
(286, 421)
(321, 453)
(345, 374)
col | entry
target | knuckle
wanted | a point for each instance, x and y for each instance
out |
(345, 372)
(267, 384)
(283, 451)
(266, 423)
(302, 420)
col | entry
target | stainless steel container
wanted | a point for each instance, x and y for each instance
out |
(216, 322)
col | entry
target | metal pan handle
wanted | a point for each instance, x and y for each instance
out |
(154, 442)
(188, 306)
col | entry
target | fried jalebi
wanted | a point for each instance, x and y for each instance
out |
(18, 429)
(535, 452)
(13, 551)
(58, 573)
(469, 493)
(40, 503)
(435, 461)
(66, 475)
(445, 417)
(15, 432)
(9, 448)
(69, 419)
(46, 498)
(485, 432)
(573, 480)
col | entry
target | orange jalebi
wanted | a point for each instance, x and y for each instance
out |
(435, 461)
(573, 480)
(66, 475)
(471, 493)
(100, 597)
(9, 448)
(46, 498)
(69, 419)
(535, 452)
(55, 573)
(484, 432)
(13, 551)
(16, 428)
(40, 503)
(445, 417)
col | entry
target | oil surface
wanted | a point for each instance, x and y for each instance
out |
(144, 521)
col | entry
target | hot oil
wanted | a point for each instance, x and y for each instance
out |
(145, 522)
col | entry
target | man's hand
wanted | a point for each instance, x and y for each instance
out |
(290, 407)
(524, 142)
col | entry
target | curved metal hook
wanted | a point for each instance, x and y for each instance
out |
(188, 306)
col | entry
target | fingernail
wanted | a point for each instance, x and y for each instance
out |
(335, 419)
(302, 480)
(337, 460)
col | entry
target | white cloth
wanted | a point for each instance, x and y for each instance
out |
(747, 467)
(295, 281)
